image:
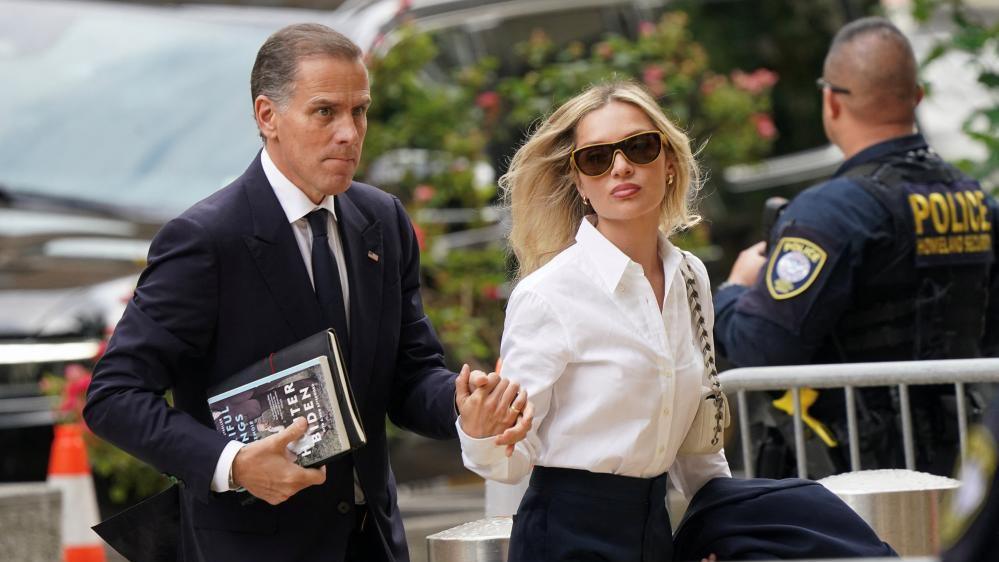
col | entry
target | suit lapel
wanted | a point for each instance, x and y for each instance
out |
(278, 257)
(362, 245)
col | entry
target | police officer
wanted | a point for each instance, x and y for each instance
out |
(971, 513)
(889, 260)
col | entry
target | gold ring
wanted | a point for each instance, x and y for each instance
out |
(518, 410)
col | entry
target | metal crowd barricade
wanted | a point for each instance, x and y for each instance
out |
(849, 376)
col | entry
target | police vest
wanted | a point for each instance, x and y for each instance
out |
(922, 293)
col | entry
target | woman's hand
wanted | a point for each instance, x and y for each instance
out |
(491, 405)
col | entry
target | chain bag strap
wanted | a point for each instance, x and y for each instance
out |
(712, 417)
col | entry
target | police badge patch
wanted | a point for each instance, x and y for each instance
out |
(794, 265)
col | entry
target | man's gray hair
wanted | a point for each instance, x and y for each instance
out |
(274, 70)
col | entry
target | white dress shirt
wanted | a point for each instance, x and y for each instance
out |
(615, 382)
(296, 206)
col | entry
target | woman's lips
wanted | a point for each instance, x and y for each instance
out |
(625, 190)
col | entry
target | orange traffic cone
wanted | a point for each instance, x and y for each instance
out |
(69, 471)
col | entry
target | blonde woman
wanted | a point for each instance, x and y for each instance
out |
(598, 331)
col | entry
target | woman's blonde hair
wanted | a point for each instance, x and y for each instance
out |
(540, 191)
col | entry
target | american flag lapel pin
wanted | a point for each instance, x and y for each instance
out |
(372, 256)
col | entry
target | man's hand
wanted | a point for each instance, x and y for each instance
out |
(267, 469)
(748, 265)
(490, 405)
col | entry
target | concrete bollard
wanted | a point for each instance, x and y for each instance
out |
(903, 506)
(30, 519)
(485, 540)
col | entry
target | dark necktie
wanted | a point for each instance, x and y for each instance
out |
(326, 277)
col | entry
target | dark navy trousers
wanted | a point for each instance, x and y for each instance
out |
(582, 516)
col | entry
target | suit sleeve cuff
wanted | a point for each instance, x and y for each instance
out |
(220, 481)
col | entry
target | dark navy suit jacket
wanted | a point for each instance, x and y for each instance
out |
(763, 519)
(225, 286)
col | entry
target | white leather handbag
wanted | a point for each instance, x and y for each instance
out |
(706, 433)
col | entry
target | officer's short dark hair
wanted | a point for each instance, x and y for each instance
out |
(874, 60)
(868, 26)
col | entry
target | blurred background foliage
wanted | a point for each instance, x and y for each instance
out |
(449, 131)
(738, 76)
(979, 39)
(119, 477)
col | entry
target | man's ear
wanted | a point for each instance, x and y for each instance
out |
(920, 93)
(831, 104)
(265, 112)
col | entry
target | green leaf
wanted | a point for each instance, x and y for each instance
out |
(992, 114)
(971, 39)
(989, 79)
(922, 10)
(938, 50)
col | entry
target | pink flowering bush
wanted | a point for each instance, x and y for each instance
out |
(756, 82)
(128, 478)
(729, 113)
(71, 390)
(483, 115)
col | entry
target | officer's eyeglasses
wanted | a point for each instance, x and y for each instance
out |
(595, 159)
(823, 84)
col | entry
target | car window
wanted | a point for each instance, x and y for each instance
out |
(124, 108)
(465, 44)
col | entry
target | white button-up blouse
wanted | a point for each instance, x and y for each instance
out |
(615, 382)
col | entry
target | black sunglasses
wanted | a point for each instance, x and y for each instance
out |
(823, 84)
(595, 159)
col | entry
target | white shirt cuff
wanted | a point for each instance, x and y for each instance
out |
(220, 482)
(690, 472)
(479, 452)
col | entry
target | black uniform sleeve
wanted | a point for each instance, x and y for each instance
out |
(806, 284)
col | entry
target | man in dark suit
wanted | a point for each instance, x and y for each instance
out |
(290, 248)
